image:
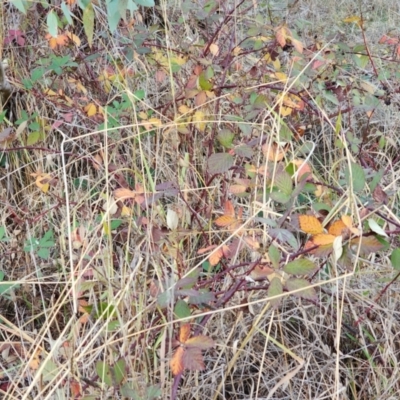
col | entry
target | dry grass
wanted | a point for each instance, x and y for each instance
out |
(50, 343)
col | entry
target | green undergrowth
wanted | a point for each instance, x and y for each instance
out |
(200, 200)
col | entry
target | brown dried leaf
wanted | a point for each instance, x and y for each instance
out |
(369, 244)
(201, 342)
(193, 359)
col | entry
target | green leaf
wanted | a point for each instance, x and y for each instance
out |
(280, 197)
(113, 14)
(5, 286)
(153, 392)
(104, 373)
(145, 3)
(181, 309)
(285, 134)
(274, 255)
(204, 83)
(105, 310)
(284, 183)
(296, 284)
(275, 289)
(43, 253)
(67, 13)
(88, 23)
(119, 371)
(52, 23)
(21, 5)
(47, 240)
(302, 266)
(33, 138)
(376, 179)
(3, 237)
(375, 227)
(131, 393)
(49, 370)
(355, 177)
(204, 296)
(395, 259)
(338, 125)
(219, 163)
(244, 150)
(225, 137)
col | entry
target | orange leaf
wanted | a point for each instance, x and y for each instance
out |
(124, 193)
(323, 239)
(75, 388)
(347, 220)
(337, 228)
(280, 35)
(225, 220)
(215, 257)
(310, 224)
(206, 249)
(184, 333)
(325, 243)
(177, 361)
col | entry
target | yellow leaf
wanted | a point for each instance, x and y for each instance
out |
(126, 211)
(214, 49)
(91, 109)
(42, 181)
(183, 109)
(155, 121)
(50, 92)
(276, 64)
(281, 76)
(200, 123)
(285, 111)
(297, 45)
(353, 18)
